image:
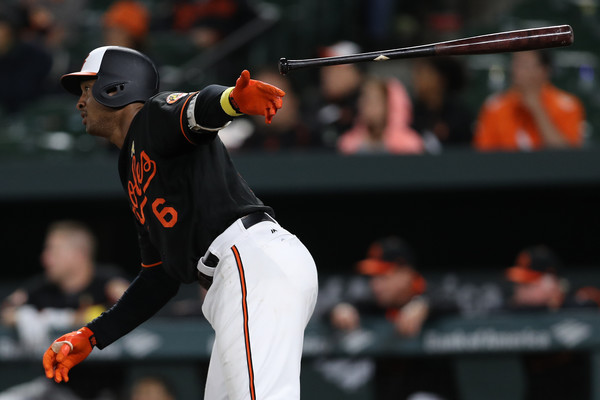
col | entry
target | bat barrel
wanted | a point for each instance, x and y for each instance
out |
(512, 41)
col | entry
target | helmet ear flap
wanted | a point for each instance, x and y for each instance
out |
(116, 88)
(109, 94)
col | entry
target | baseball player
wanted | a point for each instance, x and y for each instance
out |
(197, 219)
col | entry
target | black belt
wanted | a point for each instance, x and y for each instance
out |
(211, 260)
(254, 218)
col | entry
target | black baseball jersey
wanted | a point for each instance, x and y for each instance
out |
(182, 185)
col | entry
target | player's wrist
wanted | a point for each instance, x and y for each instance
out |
(228, 104)
(89, 334)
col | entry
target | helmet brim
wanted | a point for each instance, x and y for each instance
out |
(72, 82)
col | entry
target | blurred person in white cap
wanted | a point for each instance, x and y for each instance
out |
(338, 91)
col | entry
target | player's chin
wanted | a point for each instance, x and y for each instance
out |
(90, 130)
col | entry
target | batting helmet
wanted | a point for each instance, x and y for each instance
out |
(124, 76)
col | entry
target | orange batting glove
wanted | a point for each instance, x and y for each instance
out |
(254, 97)
(66, 352)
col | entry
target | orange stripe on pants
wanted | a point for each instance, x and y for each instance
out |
(240, 267)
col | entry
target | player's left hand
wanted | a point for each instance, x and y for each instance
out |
(254, 97)
(66, 352)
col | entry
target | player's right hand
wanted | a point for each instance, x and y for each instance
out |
(66, 352)
(254, 97)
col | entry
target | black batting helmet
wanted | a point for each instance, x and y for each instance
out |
(124, 76)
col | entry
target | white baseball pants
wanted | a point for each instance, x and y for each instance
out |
(263, 294)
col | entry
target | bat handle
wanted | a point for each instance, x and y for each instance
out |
(284, 66)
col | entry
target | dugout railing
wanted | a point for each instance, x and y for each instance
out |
(485, 352)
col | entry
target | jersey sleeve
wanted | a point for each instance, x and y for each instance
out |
(146, 295)
(150, 255)
(188, 118)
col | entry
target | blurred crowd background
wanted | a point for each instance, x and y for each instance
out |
(398, 256)
(195, 43)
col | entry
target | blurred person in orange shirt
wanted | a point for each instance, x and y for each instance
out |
(208, 21)
(126, 23)
(533, 113)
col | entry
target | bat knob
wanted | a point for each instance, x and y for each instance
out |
(284, 67)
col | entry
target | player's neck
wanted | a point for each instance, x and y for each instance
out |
(126, 116)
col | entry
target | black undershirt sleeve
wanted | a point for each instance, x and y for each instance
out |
(208, 110)
(147, 294)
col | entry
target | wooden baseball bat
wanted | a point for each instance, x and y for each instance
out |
(501, 42)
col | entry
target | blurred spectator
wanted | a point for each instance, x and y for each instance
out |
(71, 292)
(126, 23)
(538, 286)
(382, 122)
(216, 35)
(399, 291)
(400, 294)
(152, 388)
(209, 21)
(439, 115)
(52, 23)
(24, 66)
(56, 26)
(532, 114)
(289, 132)
(336, 101)
(378, 17)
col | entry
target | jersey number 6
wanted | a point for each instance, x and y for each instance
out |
(167, 215)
